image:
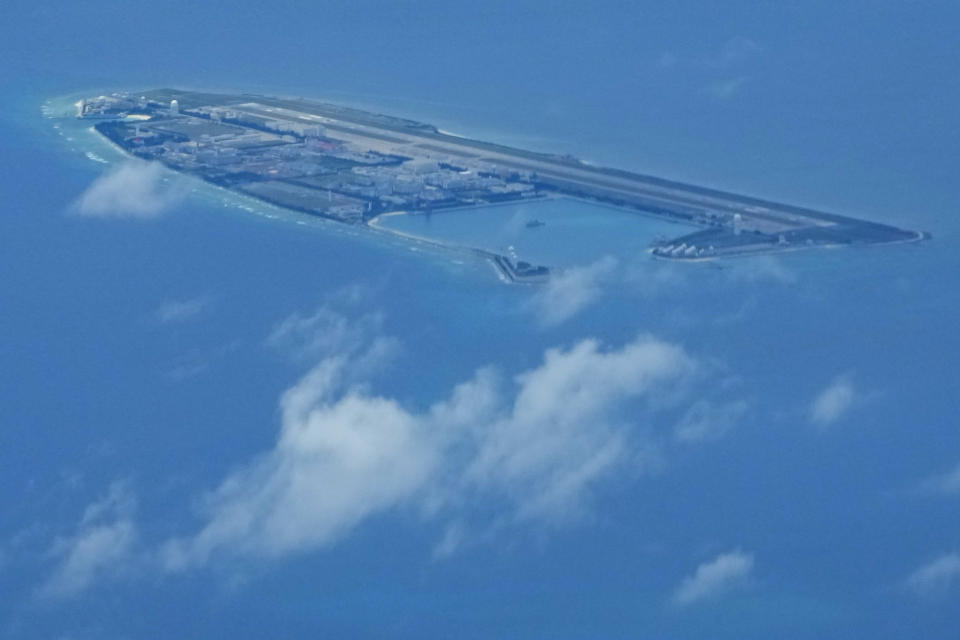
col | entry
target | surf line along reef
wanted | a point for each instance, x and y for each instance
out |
(354, 166)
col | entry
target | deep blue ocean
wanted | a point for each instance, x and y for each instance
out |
(797, 475)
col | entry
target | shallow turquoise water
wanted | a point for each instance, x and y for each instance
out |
(575, 232)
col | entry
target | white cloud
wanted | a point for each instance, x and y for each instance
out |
(134, 190)
(337, 462)
(706, 420)
(558, 436)
(833, 402)
(327, 332)
(570, 291)
(531, 450)
(713, 578)
(173, 311)
(101, 546)
(935, 578)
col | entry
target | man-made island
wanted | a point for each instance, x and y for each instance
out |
(352, 166)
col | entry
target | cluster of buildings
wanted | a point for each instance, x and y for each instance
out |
(683, 250)
(302, 162)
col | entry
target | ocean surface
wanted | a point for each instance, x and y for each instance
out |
(785, 462)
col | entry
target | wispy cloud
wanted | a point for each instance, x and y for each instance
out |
(651, 278)
(730, 63)
(324, 332)
(188, 366)
(734, 51)
(947, 483)
(339, 326)
(195, 362)
(721, 73)
(726, 88)
(666, 60)
(175, 311)
(572, 290)
(761, 269)
(936, 578)
(706, 420)
(101, 546)
(530, 449)
(576, 290)
(135, 190)
(834, 401)
(713, 578)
